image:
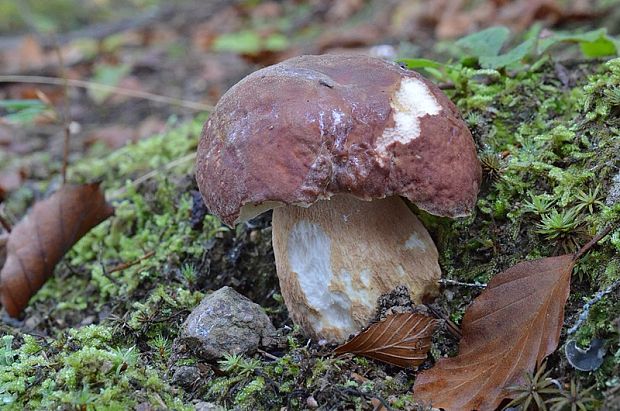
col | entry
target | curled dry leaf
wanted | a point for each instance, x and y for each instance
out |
(39, 241)
(400, 339)
(507, 331)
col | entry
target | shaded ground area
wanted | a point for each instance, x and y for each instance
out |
(546, 131)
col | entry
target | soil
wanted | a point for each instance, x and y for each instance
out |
(93, 337)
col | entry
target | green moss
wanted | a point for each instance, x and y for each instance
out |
(550, 156)
(83, 368)
(549, 153)
(101, 367)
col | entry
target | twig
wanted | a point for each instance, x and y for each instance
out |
(446, 281)
(585, 311)
(451, 327)
(266, 354)
(104, 87)
(65, 114)
(593, 241)
(124, 266)
(446, 86)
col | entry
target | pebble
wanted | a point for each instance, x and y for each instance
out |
(225, 322)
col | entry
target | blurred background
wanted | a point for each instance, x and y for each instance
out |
(192, 51)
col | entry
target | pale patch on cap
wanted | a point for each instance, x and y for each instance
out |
(412, 101)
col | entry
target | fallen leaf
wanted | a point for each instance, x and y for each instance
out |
(400, 339)
(38, 242)
(10, 180)
(507, 331)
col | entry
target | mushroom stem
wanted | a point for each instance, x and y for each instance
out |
(336, 257)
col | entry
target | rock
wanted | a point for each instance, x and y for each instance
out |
(225, 322)
(613, 197)
(143, 406)
(208, 406)
(186, 376)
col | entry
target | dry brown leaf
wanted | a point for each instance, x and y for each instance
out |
(10, 180)
(507, 331)
(39, 241)
(400, 339)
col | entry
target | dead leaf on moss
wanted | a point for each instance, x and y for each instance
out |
(400, 339)
(41, 239)
(507, 332)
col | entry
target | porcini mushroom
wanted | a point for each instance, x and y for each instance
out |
(330, 143)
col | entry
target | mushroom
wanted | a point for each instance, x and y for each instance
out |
(331, 143)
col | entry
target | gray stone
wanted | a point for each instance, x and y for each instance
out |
(186, 376)
(225, 322)
(208, 406)
(613, 197)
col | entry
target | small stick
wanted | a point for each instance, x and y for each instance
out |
(266, 354)
(104, 87)
(585, 311)
(451, 327)
(446, 86)
(447, 281)
(65, 111)
(123, 266)
(593, 241)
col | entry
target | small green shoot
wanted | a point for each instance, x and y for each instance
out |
(533, 390)
(189, 272)
(235, 363)
(558, 223)
(7, 355)
(575, 399)
(588, 200)
(539, 204)
(21, 111)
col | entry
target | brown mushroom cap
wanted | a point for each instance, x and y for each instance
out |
(315, 126)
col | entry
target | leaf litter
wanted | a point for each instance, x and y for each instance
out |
(38, 242)
(507, 332)
(401, 339)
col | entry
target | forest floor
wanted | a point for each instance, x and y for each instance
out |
(100, 333)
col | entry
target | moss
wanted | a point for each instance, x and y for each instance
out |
(106, 366)
(83, 368)
(549, 153)
(553, 154)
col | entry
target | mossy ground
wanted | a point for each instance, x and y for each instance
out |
(99, 338)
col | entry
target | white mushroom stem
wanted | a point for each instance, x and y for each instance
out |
(335, 258)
